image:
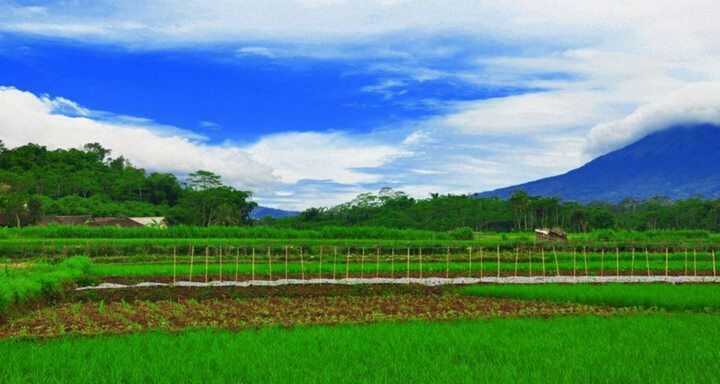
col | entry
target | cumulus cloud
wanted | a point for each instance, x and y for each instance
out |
(693, 104)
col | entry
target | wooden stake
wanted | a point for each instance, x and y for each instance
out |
(542, 260)
(666, 262)
(377, 263)
(192, 256)
(632, 263)
(237, 263)
(481, 263)
(207, 262)
(586, 262)
(447, 264)
(335, 263)
(647, 261)
(269, 262)
(602, 262)
(347, 264)
(517, 256)
(470, 261)
(530, 262)
(686, 262)
(407, 268)
(174, 265)
(617, 262)
(420, 258)
(302, 265)
(321, 255)
(694, 262)
(392, 264)
(221, 263)
(362, 264)
(286, 262)
(557, 265)
(574, 262)
(498, 258)
(253, 263)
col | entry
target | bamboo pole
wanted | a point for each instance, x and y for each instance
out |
(694, 262)
(253, 263)
(174, 265)
(269, 262)
(335, 263)
(470, 261)
(557, 265)
(498, 260)
(207, 262)
(481, 253)
(392, 264)
(221, 263)
(192, 257)
(517, 255)
(302, 264)
(602, 262)
(447, 264)
(420, 258)
(321, 255)
(585, 260)
(237, 263)
(347, 264)
(617, 261)
(362, 264)
(632, 263)
(686, 261)
(574, 262)
(286, 262)
(408, 264)
(542, 260)
(647, 261)
(666, 262)
(377, 263)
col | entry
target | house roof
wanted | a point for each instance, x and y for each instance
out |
(148, 220)
(66, 220)
(113, 221)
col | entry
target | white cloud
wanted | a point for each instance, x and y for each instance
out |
(693, 104)
(323, 156)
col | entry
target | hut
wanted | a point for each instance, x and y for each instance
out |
(552, 234)
(156, 221)
(122, 221)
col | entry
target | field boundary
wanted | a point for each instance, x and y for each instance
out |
(430, 281)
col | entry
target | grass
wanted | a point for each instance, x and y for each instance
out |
(25, 283)
(696, 297)
(658, 348)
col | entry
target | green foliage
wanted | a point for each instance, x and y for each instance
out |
(657, 348)
(35, 181)
(19, 284)
(462, 233)
(666, 296)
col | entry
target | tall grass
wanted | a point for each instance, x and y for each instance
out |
(639, 349)
(19, 284)
(697, 297)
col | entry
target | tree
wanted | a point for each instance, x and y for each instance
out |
(204, 180)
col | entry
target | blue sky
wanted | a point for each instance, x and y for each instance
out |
(311, 102)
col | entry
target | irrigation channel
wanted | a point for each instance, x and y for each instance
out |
(246, 266)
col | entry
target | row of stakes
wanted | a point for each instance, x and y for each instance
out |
(420, 260)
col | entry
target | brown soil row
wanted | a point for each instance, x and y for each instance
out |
(93, 318)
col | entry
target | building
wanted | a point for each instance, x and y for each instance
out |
(552, 234)
(120, 221)
(66, 220)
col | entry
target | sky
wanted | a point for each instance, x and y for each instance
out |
(311, 102)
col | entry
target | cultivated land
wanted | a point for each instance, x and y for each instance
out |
(362, 332)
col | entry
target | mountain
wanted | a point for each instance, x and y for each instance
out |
(259, 212)
(679, 162)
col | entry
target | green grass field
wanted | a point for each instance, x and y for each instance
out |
(658, 348)
(695, 297)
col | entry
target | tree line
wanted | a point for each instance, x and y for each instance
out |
(35, 181)
(521, 212)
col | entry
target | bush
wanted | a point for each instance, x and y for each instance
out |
(462, 233)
